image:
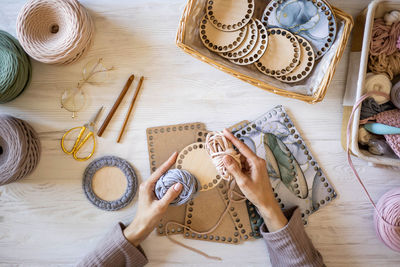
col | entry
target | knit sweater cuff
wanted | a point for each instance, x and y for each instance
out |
(290, 246)
(115, 250)
(294, 220)
(135, 255)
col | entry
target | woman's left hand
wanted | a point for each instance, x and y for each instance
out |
(150, 209)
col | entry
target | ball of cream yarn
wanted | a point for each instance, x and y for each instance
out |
(54, 31)
(392, 17)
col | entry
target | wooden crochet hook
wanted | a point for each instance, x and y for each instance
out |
(116, 105)
(130, 108)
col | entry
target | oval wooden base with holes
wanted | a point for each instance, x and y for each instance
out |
(313, 20)
(195, 159)
(259, 48)
(247, 45)
(220, 41)
(282, 55)
(307, 59)
(229, 15)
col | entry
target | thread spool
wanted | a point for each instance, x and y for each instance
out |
(15, 68)
(189, 182)
(217, 147)
(387, 219)
(19, 149)
(54, 31)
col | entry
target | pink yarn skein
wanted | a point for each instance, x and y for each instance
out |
(387, 222)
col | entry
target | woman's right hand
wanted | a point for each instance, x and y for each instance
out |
(253, 181)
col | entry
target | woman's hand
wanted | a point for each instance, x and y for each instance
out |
(253, 181)
(150, 209)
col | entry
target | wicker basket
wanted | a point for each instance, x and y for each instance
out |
(249, 75)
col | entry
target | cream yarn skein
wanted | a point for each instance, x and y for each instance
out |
(54, 31)
(392, 17)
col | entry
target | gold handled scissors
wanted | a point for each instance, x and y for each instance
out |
(78, 143)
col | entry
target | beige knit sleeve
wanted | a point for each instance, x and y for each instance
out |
(290, 246)
(114, 250)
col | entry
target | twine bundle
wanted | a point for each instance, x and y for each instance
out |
(384, 50)
(384, 38)
(385, 64)
(189, 183)
(217, 147)
(19, 149)
(15, 68)
(55, 31)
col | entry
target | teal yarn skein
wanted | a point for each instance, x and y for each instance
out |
(15, 68)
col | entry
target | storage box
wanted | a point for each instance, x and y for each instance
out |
(311, 90)
(376, 9)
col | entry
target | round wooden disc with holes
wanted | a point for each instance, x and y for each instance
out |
(109, 183)
(313, 20)
(220, 41)
(307, 59)
(282, 55)
(247, 45)
(259, 48)
(195, 159)
(229, 15)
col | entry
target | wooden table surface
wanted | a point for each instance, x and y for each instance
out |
(47, 220)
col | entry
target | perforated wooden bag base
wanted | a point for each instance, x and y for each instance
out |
(162, 142)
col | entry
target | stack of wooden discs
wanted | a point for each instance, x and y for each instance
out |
(228, 29)
(285, 45)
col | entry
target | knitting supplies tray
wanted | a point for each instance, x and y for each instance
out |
(311, 89)
(376, 9)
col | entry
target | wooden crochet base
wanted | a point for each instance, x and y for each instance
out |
(162, 142)
(202, 214)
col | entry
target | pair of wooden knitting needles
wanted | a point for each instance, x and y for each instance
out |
(116, 105)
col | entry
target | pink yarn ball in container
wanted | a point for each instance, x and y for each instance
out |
(387, 222)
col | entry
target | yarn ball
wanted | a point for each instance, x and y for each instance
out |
(218, 147)
(189, 182)
(380, 83)
(15, 68)
(19, 149)
(387, 219)
(392, 17)
(54, 31)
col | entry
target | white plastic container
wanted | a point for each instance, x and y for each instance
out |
(376, 9)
